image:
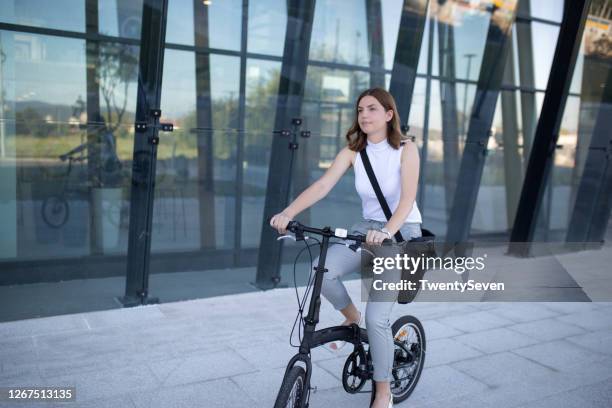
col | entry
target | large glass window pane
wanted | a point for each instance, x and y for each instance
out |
(544, 37)
(60, 14)
(579, 129)
(329, 111)
(470, 31)
(339, 33)
(490, 214)
(267, 25)
(391, 16)
(120, 18)
(183, 155)
(262, 79)
(66, 139)
(224, 23)
(547, 9)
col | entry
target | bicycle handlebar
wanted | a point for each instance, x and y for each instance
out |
(296, 228)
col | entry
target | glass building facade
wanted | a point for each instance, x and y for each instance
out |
(96, 213)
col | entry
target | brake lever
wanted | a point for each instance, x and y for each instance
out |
(287, 236)
(356, 247)
(367, 250)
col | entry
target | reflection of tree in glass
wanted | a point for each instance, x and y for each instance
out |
(117, 67)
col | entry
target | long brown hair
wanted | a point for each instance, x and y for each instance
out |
(357, 139)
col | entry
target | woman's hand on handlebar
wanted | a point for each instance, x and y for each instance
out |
(376, 237)
(280, 222)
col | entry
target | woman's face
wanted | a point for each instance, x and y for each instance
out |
(371, 115)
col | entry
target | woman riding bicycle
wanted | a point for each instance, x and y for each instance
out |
(395, 162)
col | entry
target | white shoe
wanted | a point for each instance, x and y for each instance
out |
(337, 345)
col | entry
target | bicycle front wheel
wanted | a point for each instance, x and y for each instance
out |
(292, 391)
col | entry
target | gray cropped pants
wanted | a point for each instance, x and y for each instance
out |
(342, 260)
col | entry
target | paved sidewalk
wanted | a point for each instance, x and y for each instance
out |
(231, 351)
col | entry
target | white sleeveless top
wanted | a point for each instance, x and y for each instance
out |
(386, 163)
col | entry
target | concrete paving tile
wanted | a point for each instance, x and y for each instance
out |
(18, 350)
(435, 330)
(19, 374)
(333, 366)
(338, 398)
(122, 401)
(210, 394)
(570, 307)
(597, 395)
(600, 342)
(197, 368)
(547, 329)
(558, 354)
(437, 383)
(262, 386)
(105, 384)
(445, 351)
(477, 321)
(524, 312)
(590, 320)
(132, 317)
(500, 368)
(495, 340)
(277, 353)
(45, 325)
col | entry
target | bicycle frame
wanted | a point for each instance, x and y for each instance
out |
(314, 338)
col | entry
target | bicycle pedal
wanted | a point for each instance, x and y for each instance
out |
(313, 389)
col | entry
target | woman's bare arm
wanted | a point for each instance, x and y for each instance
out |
(316, 191)
(409, 180)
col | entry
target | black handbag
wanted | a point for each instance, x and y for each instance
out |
(423, 246)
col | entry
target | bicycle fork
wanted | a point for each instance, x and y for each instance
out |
(312, 319)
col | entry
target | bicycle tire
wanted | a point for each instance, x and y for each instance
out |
(295, 380)
(421, 348)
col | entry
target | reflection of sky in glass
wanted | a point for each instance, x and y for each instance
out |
(179, 29)
(267, 25)
(120, 20)
(339, 32)
(179, 84)
(59, 14)
(178, 95)
(63, 60)
(391, 16)
(45, 68)
(547, 9)
(224, 20)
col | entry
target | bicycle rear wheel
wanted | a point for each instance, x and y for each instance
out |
(292, 391)
(407, 366)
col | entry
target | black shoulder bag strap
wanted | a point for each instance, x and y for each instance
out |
(381, 198)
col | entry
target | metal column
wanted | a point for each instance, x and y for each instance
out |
(154, 16)
(407, 52)
(375, 43)
(300, 16)
(547, 131)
